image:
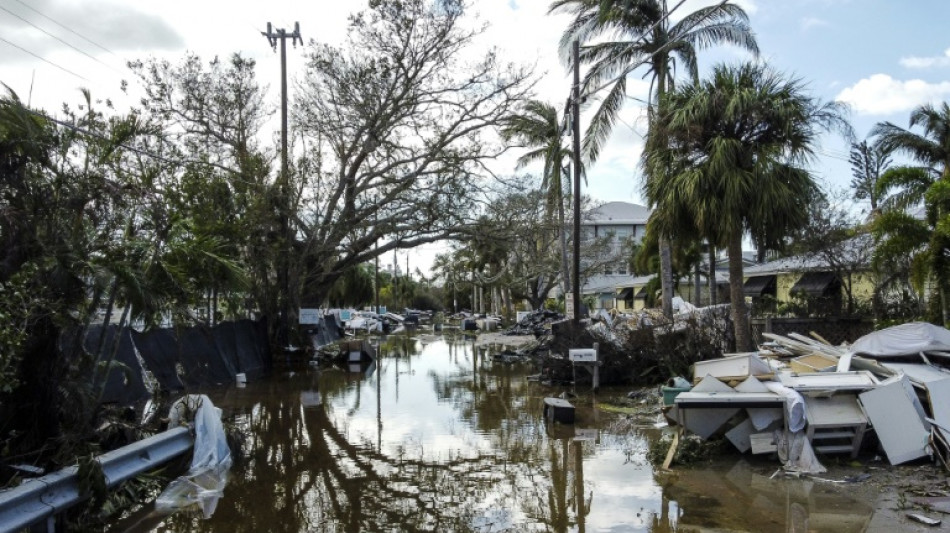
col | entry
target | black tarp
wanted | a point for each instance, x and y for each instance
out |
(159, 350)
(123, 382)
(756, 286)
(196, 356)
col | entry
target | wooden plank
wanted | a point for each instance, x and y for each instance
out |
(672, 451)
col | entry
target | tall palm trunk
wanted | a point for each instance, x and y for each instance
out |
(562, 228)
(740, 316)
(666, 252)
(713, 285)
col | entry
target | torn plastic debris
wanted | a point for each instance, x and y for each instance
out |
(204, 483)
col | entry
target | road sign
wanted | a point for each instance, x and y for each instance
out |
(582, 355)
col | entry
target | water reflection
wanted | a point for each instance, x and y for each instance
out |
(437, 437)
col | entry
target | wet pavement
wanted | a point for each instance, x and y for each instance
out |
(438, 437)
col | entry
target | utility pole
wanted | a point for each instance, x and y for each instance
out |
(576, 132)
(376, 250)
(283, 273)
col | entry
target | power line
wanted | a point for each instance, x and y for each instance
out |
(61, 40)
(41, 58)
(67, 28)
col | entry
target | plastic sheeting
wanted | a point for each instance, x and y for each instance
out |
(204, 483)
(905, 339)
(794, 405)
(796, 453)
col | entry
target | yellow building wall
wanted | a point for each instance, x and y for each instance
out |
(784, 284)
(862, 286)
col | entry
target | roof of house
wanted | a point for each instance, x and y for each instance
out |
(801, 263)
(618, 213)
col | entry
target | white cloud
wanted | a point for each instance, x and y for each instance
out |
(926, 62)
(808, 23)
(881, 94)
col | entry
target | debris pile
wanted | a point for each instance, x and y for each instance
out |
(801, 396)
(538, 323)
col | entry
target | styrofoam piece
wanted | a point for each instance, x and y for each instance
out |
(844, 363)
(711, 384)
(743, 364)
(894, 411)
(762, 417)
(919, 373)
(707, 421)
(857, 380)
(751, 384)
(939, 394)
(837, 410)
(739, 435)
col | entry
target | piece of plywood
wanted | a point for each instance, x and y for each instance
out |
(900, 429)
(816, 362)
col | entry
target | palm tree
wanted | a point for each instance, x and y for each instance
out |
(635, 33)
(930, 183)
(737, 145)
(538, 128)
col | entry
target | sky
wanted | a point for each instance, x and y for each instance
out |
(882, 57)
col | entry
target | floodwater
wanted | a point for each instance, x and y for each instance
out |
(438, 437)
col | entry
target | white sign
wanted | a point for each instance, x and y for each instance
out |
(346, 314)
(521, 315)
(569, 305)
(309, 316)
(583, 355)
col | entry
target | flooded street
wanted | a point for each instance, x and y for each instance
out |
(438, 437)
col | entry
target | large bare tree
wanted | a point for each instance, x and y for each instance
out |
(399, 125)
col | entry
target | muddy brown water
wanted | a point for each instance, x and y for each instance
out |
(438, 437)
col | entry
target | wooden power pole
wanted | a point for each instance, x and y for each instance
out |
(283, 274)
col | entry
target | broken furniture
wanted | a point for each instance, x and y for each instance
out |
(836, 424)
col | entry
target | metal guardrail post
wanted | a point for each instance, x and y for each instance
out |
(44, 497)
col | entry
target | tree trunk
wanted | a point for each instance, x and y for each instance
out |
(666, 276)
(697, 287)
(713, 285)
(740, 316)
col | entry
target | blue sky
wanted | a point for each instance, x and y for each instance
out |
(883, 57)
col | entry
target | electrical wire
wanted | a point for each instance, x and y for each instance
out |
(41, 58)
(83, 52)
(67, 28)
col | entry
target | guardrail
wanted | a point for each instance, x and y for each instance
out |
(44, 497)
